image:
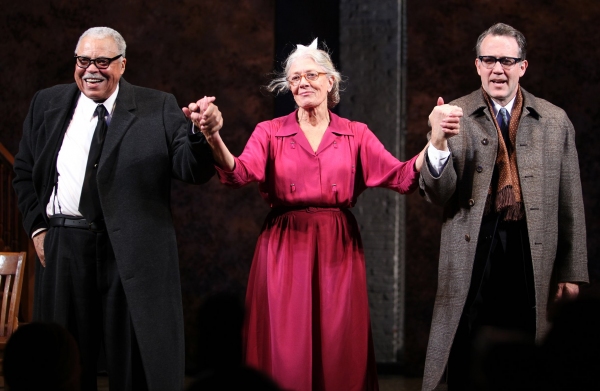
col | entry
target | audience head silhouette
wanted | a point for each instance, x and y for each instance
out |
(41, 356)
(220, 358)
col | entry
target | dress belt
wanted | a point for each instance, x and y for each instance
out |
(307, 209)
(76, 222)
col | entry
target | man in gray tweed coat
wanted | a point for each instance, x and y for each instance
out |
(513, 234)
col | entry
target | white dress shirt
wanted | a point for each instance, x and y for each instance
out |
(73, 156)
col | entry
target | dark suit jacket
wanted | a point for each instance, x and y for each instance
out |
(551, 188)
(147, 144)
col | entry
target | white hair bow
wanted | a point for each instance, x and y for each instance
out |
(313, 45)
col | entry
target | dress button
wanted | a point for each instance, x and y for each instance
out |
(468, 237)
(485, 141)
(471, 202)
(479, 169)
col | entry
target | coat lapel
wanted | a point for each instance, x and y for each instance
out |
(56, 121)
(480, 112)
(122, 118)
(485, 125)
(529, 118)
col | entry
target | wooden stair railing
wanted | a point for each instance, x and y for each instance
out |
(12, 235)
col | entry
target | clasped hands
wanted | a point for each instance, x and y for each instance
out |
(205, 116)
(445, 123)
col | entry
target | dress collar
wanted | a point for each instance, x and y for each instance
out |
(290, 125)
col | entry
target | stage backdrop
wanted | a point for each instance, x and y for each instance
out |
(188, 48)
(196, 48)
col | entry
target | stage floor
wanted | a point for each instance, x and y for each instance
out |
(386, 383)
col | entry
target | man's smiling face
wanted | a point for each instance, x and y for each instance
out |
(99, 84)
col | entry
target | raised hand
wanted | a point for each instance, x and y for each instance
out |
(445, 123)
(205, 115)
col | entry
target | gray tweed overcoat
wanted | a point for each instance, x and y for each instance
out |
(549, 173)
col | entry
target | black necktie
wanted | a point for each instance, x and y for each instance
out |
(89, 204)
(503, 122)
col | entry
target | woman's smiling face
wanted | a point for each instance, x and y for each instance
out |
(310, 94)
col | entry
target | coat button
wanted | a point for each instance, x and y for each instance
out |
(471, 202)
(485, 141)
(479, 169)
(468, 237)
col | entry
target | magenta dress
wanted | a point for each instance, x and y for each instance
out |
(308, 323)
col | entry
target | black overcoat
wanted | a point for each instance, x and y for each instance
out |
(147, 144)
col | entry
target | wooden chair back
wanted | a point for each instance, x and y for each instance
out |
(12, 235)
(11, 281)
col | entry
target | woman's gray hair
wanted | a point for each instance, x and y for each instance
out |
(504, 30)
(105, 32)
(280, 83)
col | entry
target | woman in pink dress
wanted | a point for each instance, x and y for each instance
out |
(308, 323)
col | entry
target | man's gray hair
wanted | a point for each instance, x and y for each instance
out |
(504, 30)
(105, 32)
(281, 84)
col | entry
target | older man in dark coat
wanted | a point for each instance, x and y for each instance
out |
(93, 179)
(513, 233)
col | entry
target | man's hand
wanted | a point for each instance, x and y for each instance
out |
(445, 123)
(566, 290)
(38, 243)
(205, 115)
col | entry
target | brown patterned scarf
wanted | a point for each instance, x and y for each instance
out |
(507, 197)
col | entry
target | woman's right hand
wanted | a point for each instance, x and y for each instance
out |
(445, 123)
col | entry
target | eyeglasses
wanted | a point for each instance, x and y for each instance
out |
(100, 62)
(311, 76)
(506, 62)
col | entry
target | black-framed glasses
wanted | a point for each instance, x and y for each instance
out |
(506, 62)
(100, 62)
(312, 76)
